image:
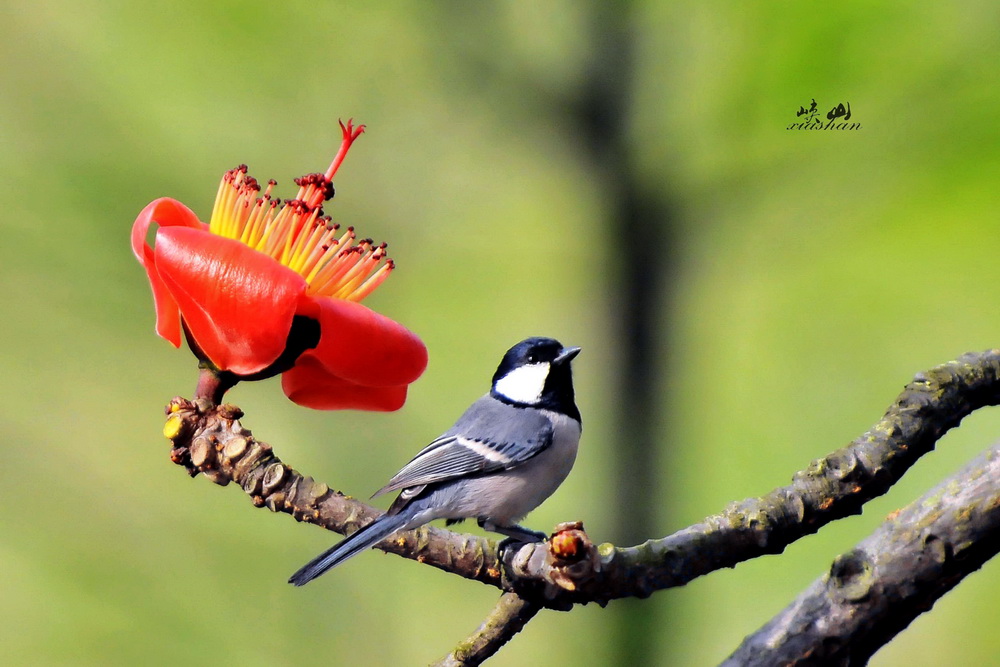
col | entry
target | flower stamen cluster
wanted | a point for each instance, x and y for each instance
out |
(297, 234)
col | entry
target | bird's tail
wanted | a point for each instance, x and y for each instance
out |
(367, 537)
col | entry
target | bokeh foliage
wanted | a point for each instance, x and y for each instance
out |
(815, 273)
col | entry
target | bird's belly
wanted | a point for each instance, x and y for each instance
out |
(506, 497)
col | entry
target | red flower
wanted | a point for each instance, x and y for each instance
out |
(271, 287)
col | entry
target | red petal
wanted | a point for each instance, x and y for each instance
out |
(364, 347)
(167, 213)
(238, 303)
(312, 386)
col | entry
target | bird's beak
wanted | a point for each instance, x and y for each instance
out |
(566, 355)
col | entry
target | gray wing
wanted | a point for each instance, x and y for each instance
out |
(490, 436)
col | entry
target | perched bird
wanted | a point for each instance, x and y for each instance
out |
(505, 455)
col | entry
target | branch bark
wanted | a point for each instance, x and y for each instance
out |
(212, 440)
(829, 489)
(569, 569)
(506, 620)
(875, 590)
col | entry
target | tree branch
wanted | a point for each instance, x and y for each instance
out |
(874, 591)
(211, 440)
(829, 489)
(510, 615)
(568, 569)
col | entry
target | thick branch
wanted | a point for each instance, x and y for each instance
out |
(212, 441)
(506, 620)
(829, 489)
(874, 591)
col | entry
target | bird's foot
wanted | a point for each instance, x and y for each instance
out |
(516, 535)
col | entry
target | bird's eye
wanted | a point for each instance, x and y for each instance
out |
(532, 358)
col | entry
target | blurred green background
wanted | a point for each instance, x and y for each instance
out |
(775, 292)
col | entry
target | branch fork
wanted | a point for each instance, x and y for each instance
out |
(850, 612)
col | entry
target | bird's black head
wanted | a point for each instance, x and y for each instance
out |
(536, 373)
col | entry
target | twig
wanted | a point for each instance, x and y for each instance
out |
(506, 620)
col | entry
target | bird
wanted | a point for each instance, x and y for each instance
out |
(507, 453)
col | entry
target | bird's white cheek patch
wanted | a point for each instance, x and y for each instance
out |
(524, 384)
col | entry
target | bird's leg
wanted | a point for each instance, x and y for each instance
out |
(515, 534)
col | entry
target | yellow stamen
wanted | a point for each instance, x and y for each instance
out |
(297, 234)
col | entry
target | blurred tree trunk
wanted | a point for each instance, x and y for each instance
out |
(640, 237)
